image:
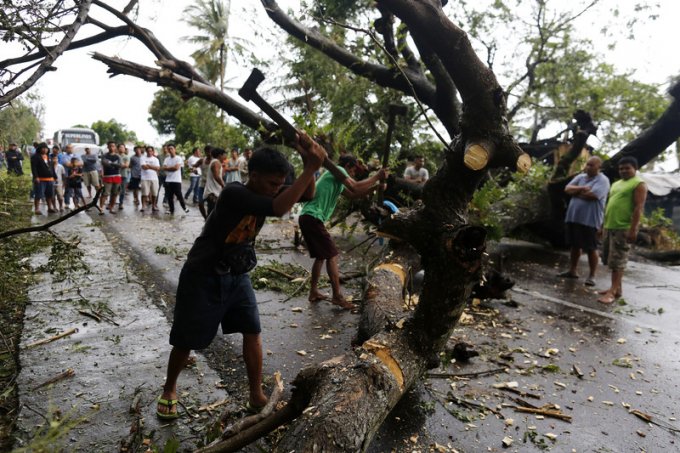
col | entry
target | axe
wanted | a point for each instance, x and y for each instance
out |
(394, 110)
(249, 92)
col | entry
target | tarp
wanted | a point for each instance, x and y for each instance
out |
(661, 184)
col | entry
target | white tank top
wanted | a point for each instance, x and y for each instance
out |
(212, 186)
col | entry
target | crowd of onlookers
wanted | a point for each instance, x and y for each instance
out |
(62, 180)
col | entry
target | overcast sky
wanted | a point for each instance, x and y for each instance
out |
(81, 92)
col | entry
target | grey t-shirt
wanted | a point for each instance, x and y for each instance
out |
(89, 162)
(588, 212)
(135, 167)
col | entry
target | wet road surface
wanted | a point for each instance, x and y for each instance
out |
(627, 353)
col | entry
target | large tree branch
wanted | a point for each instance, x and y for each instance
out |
(405, 80)
(189, 87)
(52, 56)
(653, 141)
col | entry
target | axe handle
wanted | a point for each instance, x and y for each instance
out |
(290, 132)
(386, 153)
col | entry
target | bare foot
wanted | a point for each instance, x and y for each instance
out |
(340, 301)
(607, 298)
(316, 296)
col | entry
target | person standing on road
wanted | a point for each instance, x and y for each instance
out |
(124, 173)
(75, 183)
(585, 214)
(172, 165)
(214, 286)
(150, 168)
(66, 160)
(231, 173)
(14, 159)
(111, 177)
(59, 182)
(135, 174)
(194, 174)
(621, 223)
(90, 172)
(243, 164)
(214, 182)
(43, 179)
(317, 211)
(204, 164)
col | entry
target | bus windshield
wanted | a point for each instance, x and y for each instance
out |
(64, 137)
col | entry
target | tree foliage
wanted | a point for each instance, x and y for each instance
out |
(113, 130)
(194, 121)
(18, 123)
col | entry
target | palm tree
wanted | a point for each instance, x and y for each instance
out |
(211, 18)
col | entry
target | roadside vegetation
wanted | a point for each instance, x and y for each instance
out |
(15, 279)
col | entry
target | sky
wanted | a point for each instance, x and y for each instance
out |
(80, 91)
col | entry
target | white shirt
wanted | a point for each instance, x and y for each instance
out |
(191, 161)
(420, 176)
(149, 175)
(173, 175)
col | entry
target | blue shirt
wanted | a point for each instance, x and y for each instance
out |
(588, 212)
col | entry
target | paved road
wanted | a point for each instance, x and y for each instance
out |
(627, 353)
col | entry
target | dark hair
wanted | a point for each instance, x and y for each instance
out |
(216, 152)
(196, 148)
(268, 161)
(169, 144)
(55, 147)
(111, 141)
(347, 161)
(207, 149)
(418, 156)
(630, 160)
(41, 146)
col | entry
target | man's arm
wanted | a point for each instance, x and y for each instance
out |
(312, 156)
(358, 189)
(639, 198)
(216, 172)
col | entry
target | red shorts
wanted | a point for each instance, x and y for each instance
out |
(115, 179)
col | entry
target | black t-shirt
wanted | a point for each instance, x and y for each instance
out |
(237, 219)
(111, 164)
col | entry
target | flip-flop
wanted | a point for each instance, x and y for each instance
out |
(567, 274)
(253, 409)
(589, 282)
(170, 415)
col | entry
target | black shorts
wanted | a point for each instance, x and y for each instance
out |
(205, 300)
(318, 240)
(581, 236)
(134, 184)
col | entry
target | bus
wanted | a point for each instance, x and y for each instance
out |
(76, 135)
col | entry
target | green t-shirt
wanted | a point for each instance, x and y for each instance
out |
(619, 211)
(328, 189)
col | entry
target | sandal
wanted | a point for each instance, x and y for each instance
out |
(589, 282)
(169, 404)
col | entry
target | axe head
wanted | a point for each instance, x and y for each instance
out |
(397, 109)
(249, 88)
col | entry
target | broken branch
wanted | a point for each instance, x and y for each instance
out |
(66, 374)
(54, 338)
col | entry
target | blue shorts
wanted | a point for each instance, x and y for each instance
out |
(44, 189)
(205, 300)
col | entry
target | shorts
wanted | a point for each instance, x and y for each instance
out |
(43, 189)
(205, 300)
(318, 240)
(615, 249)
(134, 184)
(582, 237)
(149, 187)
(91, 178)
(111, 188)
(59, 191)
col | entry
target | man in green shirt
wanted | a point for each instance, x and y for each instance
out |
(621, 222)
(317, 211)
